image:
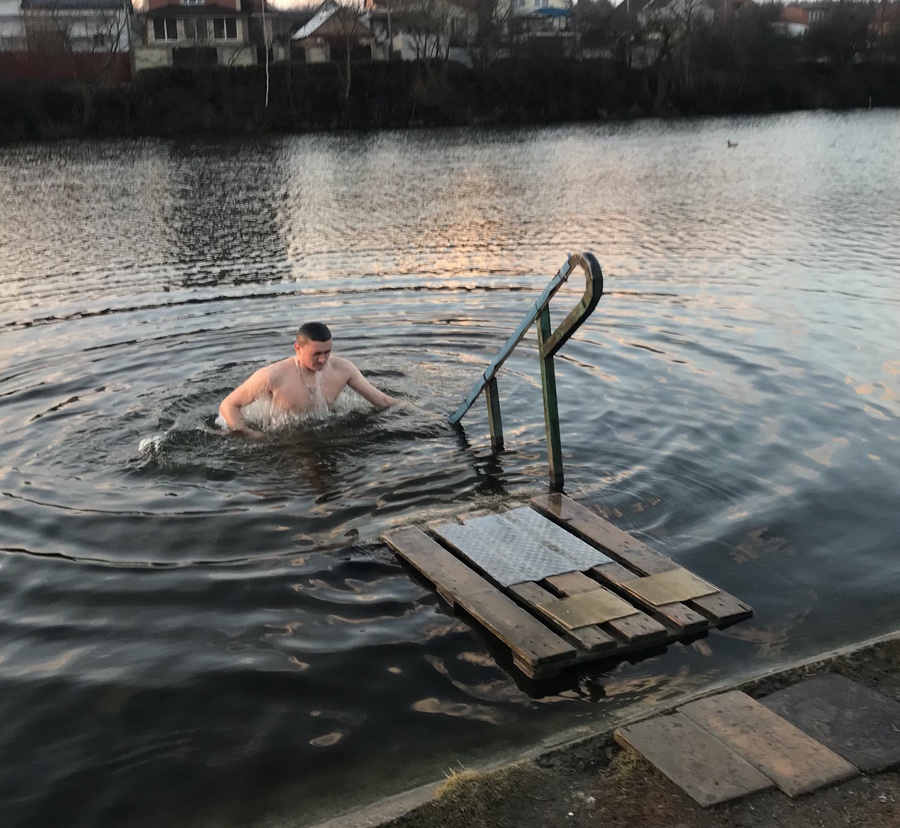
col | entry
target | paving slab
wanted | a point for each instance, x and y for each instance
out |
(699, 763)
(794, 761)
(854, 721)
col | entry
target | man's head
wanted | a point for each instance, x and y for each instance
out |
(313, 345)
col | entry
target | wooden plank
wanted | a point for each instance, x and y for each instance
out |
(677, 614)
(592, 639)
(853, 720)
(639, 629)
(573, 583)
(720, 607)
(635, 629)
(703, 767)
(669, 587)
(587, 608)
(795, 762)
(532, 643)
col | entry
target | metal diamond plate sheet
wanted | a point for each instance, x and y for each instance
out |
(504, 551)
(582, 555)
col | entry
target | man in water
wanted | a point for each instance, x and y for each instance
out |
(302, 382)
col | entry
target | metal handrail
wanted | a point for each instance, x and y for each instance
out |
(548, 345)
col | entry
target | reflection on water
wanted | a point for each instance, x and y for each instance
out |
(207, 628)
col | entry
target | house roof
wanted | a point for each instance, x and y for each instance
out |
(794, 14)
(630, 9)
(80, 5)
(323, 14)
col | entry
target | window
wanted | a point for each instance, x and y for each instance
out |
(192, 2)
(165, 28)
(224, 28)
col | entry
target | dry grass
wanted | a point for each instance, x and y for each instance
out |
(456, 781)
(625, 764)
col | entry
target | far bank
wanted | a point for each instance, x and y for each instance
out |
(310, 98)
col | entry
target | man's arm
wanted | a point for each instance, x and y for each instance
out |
(368, 391)
(259, 385)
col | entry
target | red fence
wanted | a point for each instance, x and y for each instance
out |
(115, 68)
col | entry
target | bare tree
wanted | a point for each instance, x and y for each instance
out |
(427, 22)
(92, 42)
(493, 23)
(349, 29)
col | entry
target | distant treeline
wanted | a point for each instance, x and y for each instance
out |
(519, 90)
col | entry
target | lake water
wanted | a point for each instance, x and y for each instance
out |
(197, 630)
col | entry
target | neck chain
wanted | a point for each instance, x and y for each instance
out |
(300, 372)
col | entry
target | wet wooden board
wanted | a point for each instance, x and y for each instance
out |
(720, 607)
(701, 765)
(676, 615)
(794, 761)
(674, 586)
(854, 721)
(637, 629)
(587, 609)
(591, 639)
(533, 645)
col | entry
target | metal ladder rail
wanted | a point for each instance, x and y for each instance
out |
(548, 344)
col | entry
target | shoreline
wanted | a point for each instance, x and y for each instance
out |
(223, 102)
(584, 750)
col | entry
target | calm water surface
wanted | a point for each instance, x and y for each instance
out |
(196, 630)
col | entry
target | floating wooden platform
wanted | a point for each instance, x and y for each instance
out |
(560, 586)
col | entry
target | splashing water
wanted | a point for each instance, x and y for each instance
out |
(318, 398)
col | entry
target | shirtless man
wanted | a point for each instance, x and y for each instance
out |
(294, 384)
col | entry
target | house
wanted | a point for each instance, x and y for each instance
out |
(556, 12)
(675, 14)
(332, 31)
(77, 26)
(82, 41)
(422, 29)
(203, 33)
(886, 20)
(12, 27)
(796, 18)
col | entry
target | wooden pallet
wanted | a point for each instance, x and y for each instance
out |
(587, 593)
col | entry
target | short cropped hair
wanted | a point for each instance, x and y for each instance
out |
(314, 331)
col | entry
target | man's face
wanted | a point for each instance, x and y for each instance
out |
(313, 355)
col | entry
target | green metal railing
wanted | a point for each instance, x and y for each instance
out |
(548, 344)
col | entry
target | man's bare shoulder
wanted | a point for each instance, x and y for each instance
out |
(277, 371)
(343, 366)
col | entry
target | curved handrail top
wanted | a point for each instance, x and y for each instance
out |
(593, 290)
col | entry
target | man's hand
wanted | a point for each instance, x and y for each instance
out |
(244, 431)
